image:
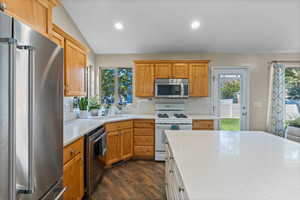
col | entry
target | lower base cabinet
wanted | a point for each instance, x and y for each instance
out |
(203, 124)
(119, 142)
(144, 139)
(175, 189)
(73, 178)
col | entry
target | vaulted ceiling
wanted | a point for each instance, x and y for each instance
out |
(163, 26)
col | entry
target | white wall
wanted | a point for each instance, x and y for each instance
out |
(259, 76)
(64, 21)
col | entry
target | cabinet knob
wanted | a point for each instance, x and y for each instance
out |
(171, 171)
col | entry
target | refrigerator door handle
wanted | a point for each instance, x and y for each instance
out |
(12, 117)
(29, 189)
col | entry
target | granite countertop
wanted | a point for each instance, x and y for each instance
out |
(238, 165)
(77, 128)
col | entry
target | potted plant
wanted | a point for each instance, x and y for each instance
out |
(293, 129)
(83, 107)
(94, 106)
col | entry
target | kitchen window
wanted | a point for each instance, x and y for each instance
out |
(116, 86)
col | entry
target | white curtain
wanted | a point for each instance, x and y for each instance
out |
(276, 106)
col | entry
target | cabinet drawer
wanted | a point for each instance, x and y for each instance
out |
(203, 124)
(143, 140)
(143, 151)
(144, 131)
(144, 123)
(118, 125)
(73, 149)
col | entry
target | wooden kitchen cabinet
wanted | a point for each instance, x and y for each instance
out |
(75, 64)
(144, 80)
(180, 70)
(57, 37)
(144, 133)
(198, 79)
(163, 70)
(114, 150)
(203, 124)
(73, 177)
(119, 141)
(194, 70)
(127, 143)
(75, 55)
(35, 13)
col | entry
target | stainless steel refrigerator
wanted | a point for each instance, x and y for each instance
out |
(31, 113)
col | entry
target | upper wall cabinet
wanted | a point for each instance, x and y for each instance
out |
(75, 62)
(163, 70)
(35, 13)
(144, 80)
(198, 80)
(194, 70)
(171, 70)
(180, 70)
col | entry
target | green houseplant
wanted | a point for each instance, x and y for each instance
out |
(94, 105)
(83, 107)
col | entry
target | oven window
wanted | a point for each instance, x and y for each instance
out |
(168, 90)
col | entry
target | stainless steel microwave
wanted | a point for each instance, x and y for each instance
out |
(172, 88)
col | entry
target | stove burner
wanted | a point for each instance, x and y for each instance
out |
(163, 115)
(180, 115)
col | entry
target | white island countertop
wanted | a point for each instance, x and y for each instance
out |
(218, 165)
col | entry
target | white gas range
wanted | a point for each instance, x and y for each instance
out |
(169, 116)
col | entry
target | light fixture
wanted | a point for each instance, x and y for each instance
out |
(195, 25)
(119, 26)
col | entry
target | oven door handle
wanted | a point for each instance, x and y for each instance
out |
(99, 138)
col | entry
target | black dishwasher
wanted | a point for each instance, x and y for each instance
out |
(95, 150)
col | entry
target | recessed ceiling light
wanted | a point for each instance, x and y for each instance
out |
(119, 26)
(195, 25)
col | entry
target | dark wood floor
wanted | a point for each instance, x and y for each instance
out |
(133, 180)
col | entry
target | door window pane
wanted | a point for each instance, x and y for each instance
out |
(292, 85)
(230, 107)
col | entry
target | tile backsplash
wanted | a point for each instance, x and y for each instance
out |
(68, 109)
(147, 106)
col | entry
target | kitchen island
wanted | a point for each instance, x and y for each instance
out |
(218, 165)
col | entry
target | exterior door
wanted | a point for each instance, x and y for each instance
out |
(230, 94)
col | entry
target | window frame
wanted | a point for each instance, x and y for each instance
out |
(116, 85)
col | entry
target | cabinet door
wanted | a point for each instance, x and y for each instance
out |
(74, 178)
(163, 70)
(75, 63)
(198, 79)
(114, 149)
(127, 143)
(180, 70)
(144, 80)
(43, 16)
(21, 9)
